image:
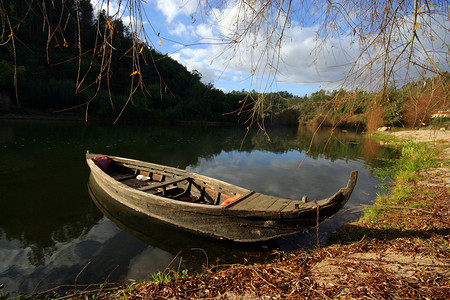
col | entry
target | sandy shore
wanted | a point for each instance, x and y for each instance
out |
(425, 135)
(437, 138)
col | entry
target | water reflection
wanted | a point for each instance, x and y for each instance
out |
(175, 241)
(50, 228)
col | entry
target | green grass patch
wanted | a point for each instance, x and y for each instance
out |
(383, 137)
(419, 204)
(416, 156)
(399, 193)
(399, 172)
(372, 214)
(161, 277)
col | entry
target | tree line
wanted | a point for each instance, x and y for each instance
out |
(411, 105)
(57, 57)
(51, 74)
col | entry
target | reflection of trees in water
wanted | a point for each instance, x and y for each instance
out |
(194, 249)
(324, 143)
(45, 200)
(41, 238)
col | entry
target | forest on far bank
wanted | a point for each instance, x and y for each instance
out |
(45, 75)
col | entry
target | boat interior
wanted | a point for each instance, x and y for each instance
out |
(164, 183)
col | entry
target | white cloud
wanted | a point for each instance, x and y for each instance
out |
(194, 62)
(302, 65)
(205, 32)
(179, 30)
(111, 7)
(172, 8)
(299, 63)
(133, 23)
(118, 10)
(249, 56)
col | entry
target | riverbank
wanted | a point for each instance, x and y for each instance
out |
(399, 249)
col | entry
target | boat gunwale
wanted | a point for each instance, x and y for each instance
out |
(143, 194)
(312, 205)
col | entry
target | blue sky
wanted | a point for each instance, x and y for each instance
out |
(193, 39)
(181, 29)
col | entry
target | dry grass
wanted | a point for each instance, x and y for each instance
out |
(422, 102)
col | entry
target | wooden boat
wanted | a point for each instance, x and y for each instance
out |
(208, 206)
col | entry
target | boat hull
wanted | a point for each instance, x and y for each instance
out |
(236, 221)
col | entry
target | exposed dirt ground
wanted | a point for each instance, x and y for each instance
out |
(425, 135)
(396, 258)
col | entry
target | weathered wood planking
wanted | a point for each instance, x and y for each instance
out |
(163, 184)
(249, 217)
(256, 203)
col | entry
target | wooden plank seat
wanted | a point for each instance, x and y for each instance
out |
(163, 184)
(125, 177)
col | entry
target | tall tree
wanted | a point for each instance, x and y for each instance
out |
(397, 39)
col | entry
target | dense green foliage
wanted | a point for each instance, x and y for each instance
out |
(48, 66)
(58, 63)
(411, 105)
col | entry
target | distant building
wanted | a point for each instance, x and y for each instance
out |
(445, 113)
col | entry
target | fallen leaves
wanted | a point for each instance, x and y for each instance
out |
(406, 255)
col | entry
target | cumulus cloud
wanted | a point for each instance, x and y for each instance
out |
(213, 33)
(251, 56)
(179, 30)
(172, 8)
(302, 64)
(224, 54)
(133, 23)
(194, 62)
(118, 10)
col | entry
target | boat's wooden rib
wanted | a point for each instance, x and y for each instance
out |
(163, 184)
(205, 205)
(125, 177)
(246, 197)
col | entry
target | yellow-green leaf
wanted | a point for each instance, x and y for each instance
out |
(421, 8)
(109, 25)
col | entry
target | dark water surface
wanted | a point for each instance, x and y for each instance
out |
(51, 232)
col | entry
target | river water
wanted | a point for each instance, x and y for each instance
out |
(51, 232)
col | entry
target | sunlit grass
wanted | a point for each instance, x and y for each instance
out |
(160, 277)
(401, 171)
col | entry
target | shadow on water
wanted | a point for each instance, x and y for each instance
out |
(50, 229)
(199, 251)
